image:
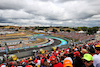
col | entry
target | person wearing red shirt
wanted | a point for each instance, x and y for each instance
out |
(59, 64)
(54, 62)
(42, 61)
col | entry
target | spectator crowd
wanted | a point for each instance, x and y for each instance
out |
(75, 35)
(86, 55)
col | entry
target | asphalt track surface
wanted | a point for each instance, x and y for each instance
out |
(56, 42)
(63, 42)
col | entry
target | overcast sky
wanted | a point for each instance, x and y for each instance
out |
(71, 13)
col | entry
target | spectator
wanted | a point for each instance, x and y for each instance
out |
(62, 59)
(38, 61)
(68, 58)
(91, 50)
(28, 66)
(77, 62)
(45, 63)
(71, 56)
(4, 65)
(83, 51)
(67, 63)
(19, 64)
(54, 62)
(87, 60)
(0, 61)
(96, 57)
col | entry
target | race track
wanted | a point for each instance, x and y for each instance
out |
(57, 42)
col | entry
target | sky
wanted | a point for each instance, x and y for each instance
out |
(70, 13)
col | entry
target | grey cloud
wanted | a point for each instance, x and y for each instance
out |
(9, 7)
(84, 16)
(2, 19)
(45, 0)
(60, 1)
(12, 4)
(92, 24)
(53, 19)
(42, 23)
(63, 1)
(5, 21)
(15, 14)
(42, 12)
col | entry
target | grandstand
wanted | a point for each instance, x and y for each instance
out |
(11, 42)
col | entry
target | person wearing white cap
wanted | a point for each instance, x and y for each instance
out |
(4, 65)
(96, 57)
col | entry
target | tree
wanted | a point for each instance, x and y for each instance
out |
(79, 28)
(26, 28)
(92, 30)
(84, 28)
(54, 30)
(40, 28)
(89, 31)
(11, 28)
(68, 30)
(62, 30)
(33, 29)
(75, 29)
(95, 29)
